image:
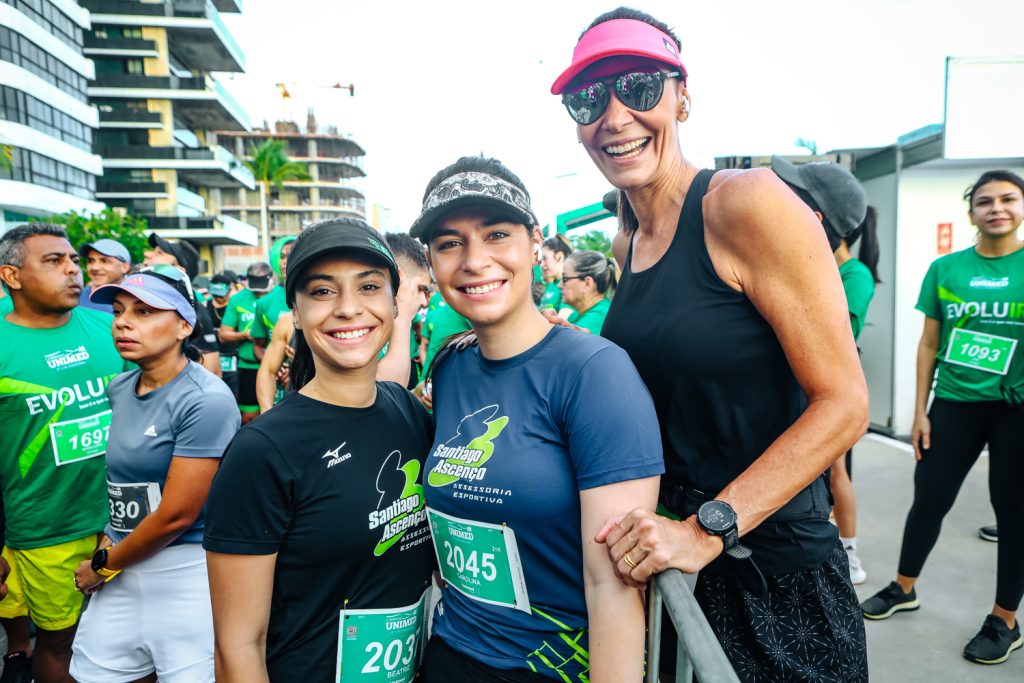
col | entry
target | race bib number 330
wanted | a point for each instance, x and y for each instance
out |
(382, 644)
(131, 503)
(479, 560)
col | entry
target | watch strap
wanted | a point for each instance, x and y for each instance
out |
(107, 573)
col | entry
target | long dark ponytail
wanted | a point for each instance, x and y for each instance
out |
(867, 231)
(302, 369)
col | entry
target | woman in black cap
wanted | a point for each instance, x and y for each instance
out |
(316, 533)
(527, 466)
(732, 309)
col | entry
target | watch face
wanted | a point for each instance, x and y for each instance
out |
(99, 560)
(716, 516)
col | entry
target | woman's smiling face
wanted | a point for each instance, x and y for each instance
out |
(345, 308)
(633, 148)
(483, 266)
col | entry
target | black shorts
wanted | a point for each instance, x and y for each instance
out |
(808, 628)
(247, 402)
(231, 379)
(444, 664)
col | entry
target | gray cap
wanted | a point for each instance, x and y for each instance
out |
(838, 193)
(107, 247)
(473, 188)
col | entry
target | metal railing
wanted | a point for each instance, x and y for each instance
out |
(698, 650)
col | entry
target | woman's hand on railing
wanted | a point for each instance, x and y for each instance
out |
(642, 544)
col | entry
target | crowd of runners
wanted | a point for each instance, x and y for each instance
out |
(263, 477)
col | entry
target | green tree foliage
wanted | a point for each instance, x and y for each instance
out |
(270, 164)
(6, 157)
(131, 231)
(595, 240)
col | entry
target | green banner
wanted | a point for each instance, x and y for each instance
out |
(80, 439)
(382, 644)
(985, 352)
(480, 560)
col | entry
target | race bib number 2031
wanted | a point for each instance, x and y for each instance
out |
(384, 645)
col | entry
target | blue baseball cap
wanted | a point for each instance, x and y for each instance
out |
(107, 247)
(150, 290)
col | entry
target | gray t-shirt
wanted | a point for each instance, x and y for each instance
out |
(192, 416)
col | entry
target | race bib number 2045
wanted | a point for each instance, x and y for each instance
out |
(480, 560)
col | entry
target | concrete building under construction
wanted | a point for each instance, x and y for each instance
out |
(333, 161)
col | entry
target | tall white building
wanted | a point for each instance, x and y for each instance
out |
(46, 121)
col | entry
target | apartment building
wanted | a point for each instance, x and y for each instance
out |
(157, 100)
(46, 123)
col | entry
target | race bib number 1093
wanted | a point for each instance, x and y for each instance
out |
(985, 352)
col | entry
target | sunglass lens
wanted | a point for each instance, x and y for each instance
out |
(640, 91)
(587, 104)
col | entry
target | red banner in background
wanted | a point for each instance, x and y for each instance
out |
(944, 239)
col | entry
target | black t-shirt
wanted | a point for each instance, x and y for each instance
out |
(329, 489)
(206, 341)
(216, 316)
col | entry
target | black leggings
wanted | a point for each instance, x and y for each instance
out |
(959, 432)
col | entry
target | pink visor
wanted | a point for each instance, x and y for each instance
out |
(618, 38)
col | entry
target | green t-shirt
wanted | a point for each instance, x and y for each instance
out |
(6, 305)
(593, 318)
(55, 416)
(442, 322)
(859, 285)
(268, 309)
(970, 293)
(240, 315)
(552, 296)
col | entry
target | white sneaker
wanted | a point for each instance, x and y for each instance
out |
(857, 573)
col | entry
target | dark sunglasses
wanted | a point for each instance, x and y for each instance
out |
(638, 90)
(173, 277)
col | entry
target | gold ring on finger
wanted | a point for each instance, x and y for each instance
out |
(629, 561)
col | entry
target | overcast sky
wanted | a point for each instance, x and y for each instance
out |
(437, 80)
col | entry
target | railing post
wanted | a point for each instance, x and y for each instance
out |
(653, 633)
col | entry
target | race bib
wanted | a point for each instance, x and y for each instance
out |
(382, 644)
(81, 439)
(480, 560)
(229, 363)
(985, 352)
(130, 503)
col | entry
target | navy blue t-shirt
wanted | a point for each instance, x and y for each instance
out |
(569, 414)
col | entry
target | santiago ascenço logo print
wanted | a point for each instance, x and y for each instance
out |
(405, 507)
(463, 455)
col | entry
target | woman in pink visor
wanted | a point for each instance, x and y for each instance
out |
(731, 307)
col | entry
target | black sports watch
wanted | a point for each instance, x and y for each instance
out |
(718, 518)
(99, 564)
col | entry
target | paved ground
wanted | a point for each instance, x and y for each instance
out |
(956, 588)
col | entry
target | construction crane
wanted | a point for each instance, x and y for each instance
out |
(285, 91)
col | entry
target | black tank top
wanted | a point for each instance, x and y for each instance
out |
(721, 384)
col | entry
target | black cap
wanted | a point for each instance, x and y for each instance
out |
(473, 188)
(185, 253)
(333, 235)
(838, 193)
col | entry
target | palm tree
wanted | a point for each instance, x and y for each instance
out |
(271, 167)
